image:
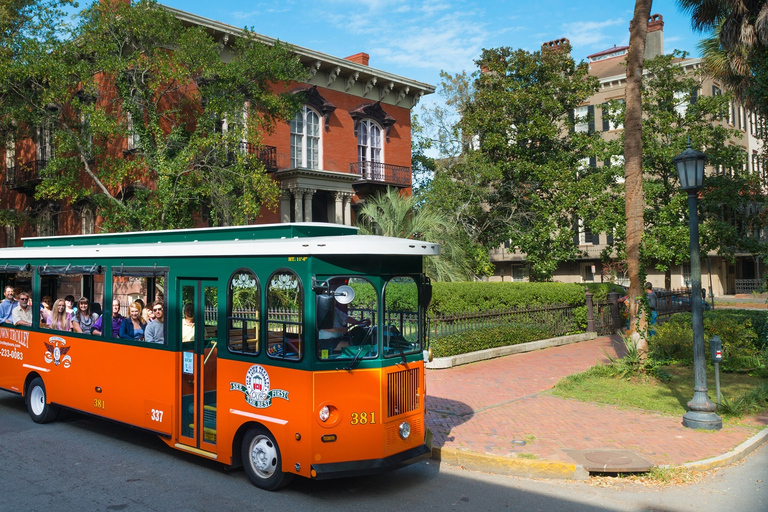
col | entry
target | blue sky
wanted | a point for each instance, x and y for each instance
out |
(418, 39)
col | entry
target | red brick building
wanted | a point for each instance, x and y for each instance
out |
(352, 138)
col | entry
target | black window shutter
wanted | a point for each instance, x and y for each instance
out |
(605, 112)
(591, 114)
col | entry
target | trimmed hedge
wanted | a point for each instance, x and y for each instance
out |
(492, 337)
(743, 334)
(473, 297)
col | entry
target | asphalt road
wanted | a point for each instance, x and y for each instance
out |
(82, 463)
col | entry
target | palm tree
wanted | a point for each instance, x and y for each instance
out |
(392, 214)
(737, 28)
(633, 158)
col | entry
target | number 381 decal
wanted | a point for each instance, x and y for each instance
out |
(363, 418)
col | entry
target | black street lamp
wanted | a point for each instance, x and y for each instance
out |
(701, 411)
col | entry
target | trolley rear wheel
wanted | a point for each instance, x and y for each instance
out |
(37, 402)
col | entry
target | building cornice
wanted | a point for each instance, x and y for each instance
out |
(329, 71)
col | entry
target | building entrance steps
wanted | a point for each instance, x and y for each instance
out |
(498, 416)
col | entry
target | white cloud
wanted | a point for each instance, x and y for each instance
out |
(592, 33)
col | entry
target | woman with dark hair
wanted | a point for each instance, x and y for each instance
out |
(84, 319)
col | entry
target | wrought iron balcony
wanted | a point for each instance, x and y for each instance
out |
(267, 154)
(26, 176)
(397, 175)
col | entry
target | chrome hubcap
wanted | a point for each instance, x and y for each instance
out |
(263, 456)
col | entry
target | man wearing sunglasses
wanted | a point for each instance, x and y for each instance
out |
(154, 332)
(22, 314)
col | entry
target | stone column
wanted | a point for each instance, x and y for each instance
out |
(285, 206)
(308, 193)
(298, 203)
(347, 209)
(338, 208)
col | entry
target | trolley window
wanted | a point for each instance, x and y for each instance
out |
(244, 311)
(285, 316)
(346, 319)
(401, 317)
(136, 290)
(72, 297)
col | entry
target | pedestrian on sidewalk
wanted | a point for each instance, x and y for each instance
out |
(652, 305)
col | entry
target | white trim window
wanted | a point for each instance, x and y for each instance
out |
(305, 139)
(369, 149)
(46, 223)
(133, 135)
(87, 222)
(10, 157)
(46, 149)
(618, 161)
(581, 119)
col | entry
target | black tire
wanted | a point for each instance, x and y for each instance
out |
(37, 402)
(262, 460)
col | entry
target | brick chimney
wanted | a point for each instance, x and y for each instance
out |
(654, 41)
(359, 58)
(557, 45)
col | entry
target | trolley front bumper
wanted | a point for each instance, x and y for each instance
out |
(374, 466)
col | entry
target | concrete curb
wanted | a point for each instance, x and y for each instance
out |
(441, 363)
(527, 468)
(735, 455)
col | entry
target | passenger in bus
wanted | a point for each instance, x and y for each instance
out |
(84, 318)
(132, 328)
(59, 319)
(22, 314)
(45, 310)
(7, 305)
(188, 324)
(147, 314)
(70, 302)
(155, 330)
(117, 321)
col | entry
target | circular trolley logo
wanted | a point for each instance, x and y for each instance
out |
(257, 388)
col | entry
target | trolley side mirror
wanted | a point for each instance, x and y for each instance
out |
(324, 311)
(426, 294)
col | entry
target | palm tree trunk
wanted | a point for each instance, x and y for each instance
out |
(633, 159)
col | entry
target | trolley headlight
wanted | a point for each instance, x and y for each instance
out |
(324, 413)
(405, 430)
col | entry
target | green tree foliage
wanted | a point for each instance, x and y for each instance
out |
(454, 183)
(136, 72)
(530, 162)
(735, 49)
(674, 112)
(395, 215)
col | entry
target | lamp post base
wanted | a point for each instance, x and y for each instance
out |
(702, 420)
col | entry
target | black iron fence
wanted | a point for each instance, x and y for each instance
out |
(557, 319)
(609, 316)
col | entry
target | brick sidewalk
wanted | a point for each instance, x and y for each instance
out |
(492, 406)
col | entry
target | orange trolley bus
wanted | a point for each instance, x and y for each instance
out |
(287, 348)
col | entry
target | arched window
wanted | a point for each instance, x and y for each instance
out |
(87, 221)
(243, 317)
(305, 139)
(285, 316)
(369, 148)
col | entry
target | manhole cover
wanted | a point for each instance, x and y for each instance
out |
(603, 458)
(610, 461)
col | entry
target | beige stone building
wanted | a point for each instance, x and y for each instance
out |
(723, 276)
